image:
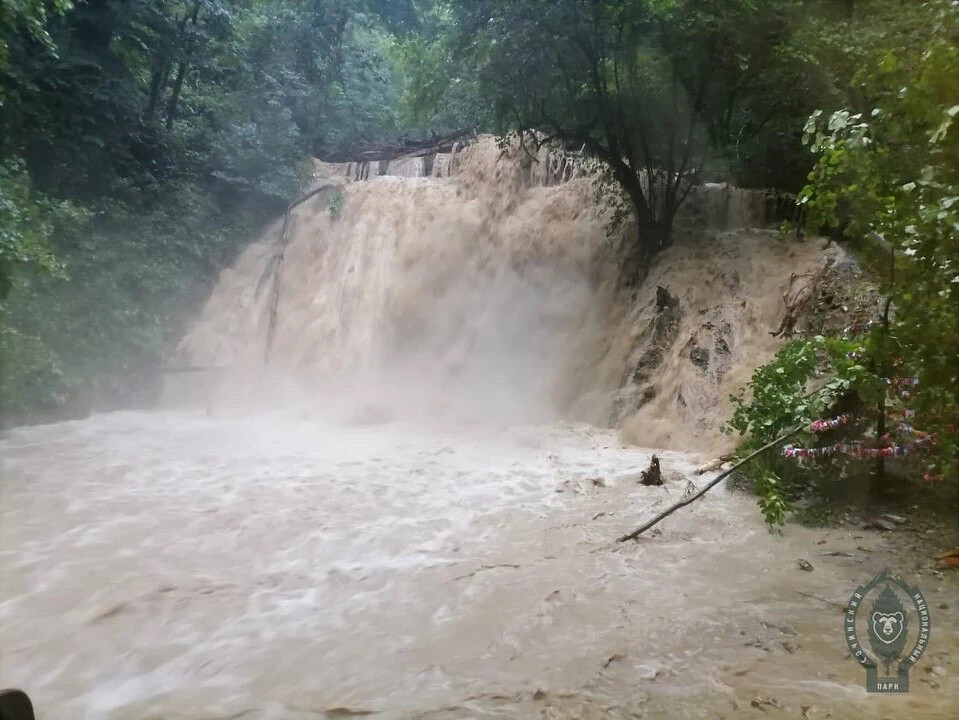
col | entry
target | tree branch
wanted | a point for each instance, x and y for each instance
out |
(706, 488)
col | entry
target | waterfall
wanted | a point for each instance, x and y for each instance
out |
(487, 292)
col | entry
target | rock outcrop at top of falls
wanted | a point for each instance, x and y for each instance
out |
(490, 295)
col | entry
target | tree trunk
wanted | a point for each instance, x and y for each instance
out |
(653, 235)
(160, 77)
(162, 65)
(175, 95)
(181, 68)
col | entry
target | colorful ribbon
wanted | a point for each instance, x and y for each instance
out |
(830, 424)
(856, 450)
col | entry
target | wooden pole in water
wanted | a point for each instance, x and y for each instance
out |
(706, 488)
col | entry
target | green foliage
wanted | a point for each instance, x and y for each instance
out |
(29, 17)
(664, 93)
(440, 91)
(772, 503)
(778, 397)
(887, 176)
(27, 221)
(141, 144)
(806, 381)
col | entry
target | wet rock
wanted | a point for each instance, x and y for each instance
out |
(731, 280)
(699, 357)
(789, 646)
(758, 643)
(648, 361)
(663, 298)
(805, 565)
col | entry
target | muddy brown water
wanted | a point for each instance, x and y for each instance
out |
(175, 565)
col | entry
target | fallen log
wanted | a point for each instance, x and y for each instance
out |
(366, 151)
(705, 489)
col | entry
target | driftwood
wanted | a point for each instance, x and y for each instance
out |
(706, 488)
(797, 300)
(652, 475)
(365, 151)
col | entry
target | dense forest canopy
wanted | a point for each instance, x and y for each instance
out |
(142, 142)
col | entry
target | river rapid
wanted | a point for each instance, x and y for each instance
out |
(186, 565)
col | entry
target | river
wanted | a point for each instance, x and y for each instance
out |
(186, 565)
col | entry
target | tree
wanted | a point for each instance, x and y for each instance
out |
(887, 176)
(141, 143)
(633, 83)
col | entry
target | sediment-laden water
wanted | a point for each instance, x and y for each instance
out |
(175, 565)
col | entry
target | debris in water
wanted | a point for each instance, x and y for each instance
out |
(841, 606)
(762, 702)
(805, 565)
(342, 712)
(652, 475)
(613, 658)
(714, 464)
(784, 629)
(486, 567)
(950, 559)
